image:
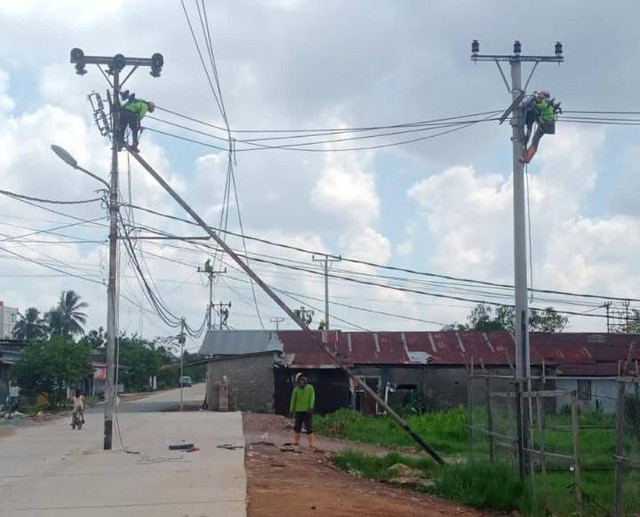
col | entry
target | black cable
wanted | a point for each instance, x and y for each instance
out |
(52, 201)
(204, 67)
(57, 212)
(387, 267)
(66, 273)
(331, 130)
(49, 231)
(254, 142)
(410, 290)
(301, 146)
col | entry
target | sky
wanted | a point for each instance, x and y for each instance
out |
(441, 205)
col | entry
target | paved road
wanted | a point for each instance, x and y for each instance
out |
(48, 470)
(168, 400)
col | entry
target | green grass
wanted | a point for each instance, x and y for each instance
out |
(375, 467)
(495, 486)
(446, 431)
(485, 486)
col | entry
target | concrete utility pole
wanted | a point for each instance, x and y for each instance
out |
(211, 274)
(515, 60)
(327, 264)
(277, 320)
(181, 340)
(115, 65)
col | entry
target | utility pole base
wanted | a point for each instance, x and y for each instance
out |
(108, 434)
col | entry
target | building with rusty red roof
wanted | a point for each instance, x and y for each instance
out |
(430, 365)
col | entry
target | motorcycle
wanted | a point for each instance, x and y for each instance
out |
(77, 420)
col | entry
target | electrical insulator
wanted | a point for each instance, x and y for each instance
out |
(475, 47)
(558, 49)
(517, 47)
(156, 64)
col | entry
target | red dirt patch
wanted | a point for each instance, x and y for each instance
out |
(307, 483)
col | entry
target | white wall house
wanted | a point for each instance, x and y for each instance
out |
(8, 318)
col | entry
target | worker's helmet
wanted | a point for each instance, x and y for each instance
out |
(300, 374)
(152, 106)
(544, 94)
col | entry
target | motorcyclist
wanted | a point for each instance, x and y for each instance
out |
(78, 406)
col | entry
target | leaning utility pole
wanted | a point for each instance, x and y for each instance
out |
(211, 274)
(115, 65)
(515, 60)
(327, 263)
(357, 380)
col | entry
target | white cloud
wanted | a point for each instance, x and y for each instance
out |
(346, 192)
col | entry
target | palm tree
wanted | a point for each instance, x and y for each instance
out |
(30, 326)
(67, 318)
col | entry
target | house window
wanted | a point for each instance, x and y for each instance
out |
(584, 390)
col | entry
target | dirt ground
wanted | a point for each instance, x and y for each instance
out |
(306, 483)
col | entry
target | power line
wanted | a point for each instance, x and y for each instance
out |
(53, 268)
(300, 146)
(52, 201)
(392, 268)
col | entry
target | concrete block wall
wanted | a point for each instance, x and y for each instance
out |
(251, 382)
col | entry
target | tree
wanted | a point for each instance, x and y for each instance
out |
(67, 319)
(30, 326)
(485, 318)
(95, 339)
(51, 366)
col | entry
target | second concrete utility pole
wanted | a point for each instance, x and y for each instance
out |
(327, 264)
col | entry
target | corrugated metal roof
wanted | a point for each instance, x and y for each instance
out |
(568, 351)
(232, 342)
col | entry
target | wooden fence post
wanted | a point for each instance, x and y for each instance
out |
(619, 451)
(576, 451)
(543, 458)
(470, 411)
(519, 427)
(492, 446)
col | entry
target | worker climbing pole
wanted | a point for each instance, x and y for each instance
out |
(131, 114)
(542, 110)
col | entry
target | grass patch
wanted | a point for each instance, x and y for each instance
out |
(491, 486)
(376, 467)
(446, 431)
(481, 485)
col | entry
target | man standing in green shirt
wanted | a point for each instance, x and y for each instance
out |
(303, 399)
(130, 116)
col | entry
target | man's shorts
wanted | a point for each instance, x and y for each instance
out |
(301, 417)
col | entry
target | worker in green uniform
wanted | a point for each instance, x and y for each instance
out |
(130, 116)
(542, 111)
(303, 399)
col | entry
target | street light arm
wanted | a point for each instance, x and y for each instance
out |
(67, 158)
(94, 176)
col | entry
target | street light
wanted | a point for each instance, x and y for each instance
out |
(66, 157)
